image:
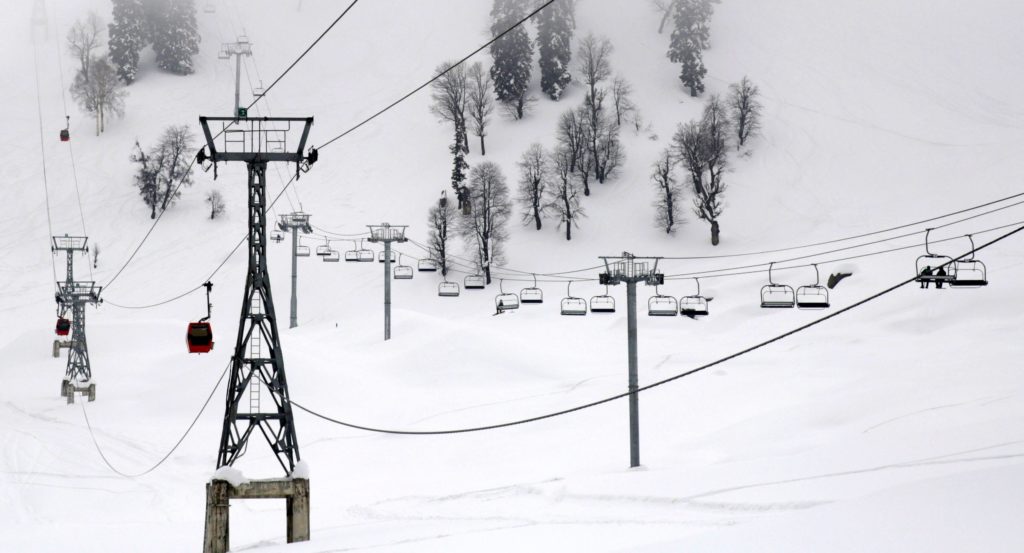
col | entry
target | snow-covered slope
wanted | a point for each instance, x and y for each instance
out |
(892, 427)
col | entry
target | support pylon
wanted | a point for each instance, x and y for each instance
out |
(295, 223)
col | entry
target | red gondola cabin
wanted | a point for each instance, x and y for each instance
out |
(199, 337)
(65, 135)
(63, 327)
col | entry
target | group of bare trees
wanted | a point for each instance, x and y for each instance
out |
(549, 186)
(701, 147)
(165, 169)
(96, 87)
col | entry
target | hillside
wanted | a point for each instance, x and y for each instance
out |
(891, 427)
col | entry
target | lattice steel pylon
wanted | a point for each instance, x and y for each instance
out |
(258, 361)
(295, 223)
(75, 295)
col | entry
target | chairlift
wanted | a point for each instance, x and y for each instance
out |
(223, 54)
(332, 256)
(353, 254)
(571, 305)
(402, 272)
(325, 249)
(603, 303)
(426, 266)
(970, 272)
(695, 305)
(199, 336)
(302, 251)
(65, 133)
(932, 267)
(259, 91)
(63, 327)
(532, 294)
(505, 302)
(448, 289)
(660, 305)
(365, 254)
(777, 296)
(813, 296)
(277, 236)
(474, 282)
(382, 258)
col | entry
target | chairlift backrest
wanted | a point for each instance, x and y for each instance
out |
(426, 266)
(332, 256)
(403, 272)
(302, 251)
(474, 282)
(532, 294)
(448, 289)
(662, 306)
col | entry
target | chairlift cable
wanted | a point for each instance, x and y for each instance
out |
(42, 153)
(652, 385)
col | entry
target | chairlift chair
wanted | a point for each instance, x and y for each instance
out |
(448, 289)
(302, 251)
(199, 335)
(662, 306)
(259, 91)
(970, 272)
(426, 266)
(402, 272)
(603, 303)
(325, 249)
(813, 296)
(930, 263)
(532, 294)
(277, 236)
(777, 296)
(505, 302)
(474, 282)
(695, 305)
(332, 256)
(353, 254)
(365, 254)
(63, 327)
(571, 305)
(382, 258)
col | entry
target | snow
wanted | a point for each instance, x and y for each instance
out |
(301, 470)
(891, 428)
(230, 475)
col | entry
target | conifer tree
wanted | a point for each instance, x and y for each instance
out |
(689, 39)
(459, 165)
(127, 34)
(555, 25)
(513, 57)
(175, 35)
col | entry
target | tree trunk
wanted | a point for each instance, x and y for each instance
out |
(693, 91)
(483, 150)
(97, 121)
(664, 18)
(714, 233)
(152, 211)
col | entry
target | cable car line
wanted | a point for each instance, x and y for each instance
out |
(652, 385)
(188, 430)
(42, 152)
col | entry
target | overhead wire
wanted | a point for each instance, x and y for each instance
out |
(640, 389)
(42, 151)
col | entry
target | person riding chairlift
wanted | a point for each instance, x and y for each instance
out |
(939, 274)
(926, 274)
(500, 308)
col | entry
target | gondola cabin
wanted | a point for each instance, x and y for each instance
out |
(199, 337)
(63, 327)
(65, 135)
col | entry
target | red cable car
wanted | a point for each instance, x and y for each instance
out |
(199, 336)
(63, 327)
(65, 133)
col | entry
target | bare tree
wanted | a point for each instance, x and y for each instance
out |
(440, 221)
(702, 148)
(216, 201)
(585, 169)
(165, 169)
(572, 135)
(83, 38)
(484, 229)
(595, 66)
(481, 104)
(667, 204)
(745, 108)
(563, 195)
(101, 94)
(622, 100)
(533, 177)
(601, 137)
(450, 93)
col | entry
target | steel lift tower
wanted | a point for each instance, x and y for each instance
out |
(295, 223)
(75, 295)
(257, 366)
(387, 234)
(238, 48)
(69, 245)
(631, 269)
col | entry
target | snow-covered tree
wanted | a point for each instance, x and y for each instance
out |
(480, 105)
(745, 109)
(440, 222)
(669, 193)
(165, 169)
(513, 57)
(99, 92)
(689, 39)
(533, 180)
(175, 35)
(450, 95)
(459, 165)
(484, 229)
(128, 36)
(146, 178)
(83, 38)
(702, 148)
(555, 26)
(216, 201)
(563, 194)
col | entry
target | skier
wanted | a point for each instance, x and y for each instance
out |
(926, 274)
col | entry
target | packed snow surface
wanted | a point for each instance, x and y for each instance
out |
(894, 427)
